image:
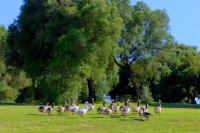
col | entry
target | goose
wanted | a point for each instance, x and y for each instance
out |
(74, 108)
(67, 108)
(145, 114)
(157, 109)
(126, 109)
(83, 110)
(137, 108)
(100, 109)
(91, 107)
(61, 109)
(42, 108)
(50, 109)
(123, 107)
(108, 110)
(116, 108)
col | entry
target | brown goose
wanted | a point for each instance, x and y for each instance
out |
(50, 109)
(108, 110)
(100, 109)
(116, 108)
(42, 108)
(60, 110)
(145, 114)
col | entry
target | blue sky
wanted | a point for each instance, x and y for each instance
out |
(184, 17)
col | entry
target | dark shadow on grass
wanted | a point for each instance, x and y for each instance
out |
(97, 117)
(38, 114)
(138, 119)
(15, 104)
(45, 115)
(115, 116)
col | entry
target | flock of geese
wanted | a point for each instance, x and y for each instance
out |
(111, 109)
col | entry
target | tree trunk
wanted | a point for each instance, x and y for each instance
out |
(131, 76)
(91, 88)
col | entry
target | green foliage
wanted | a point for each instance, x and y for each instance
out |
(62, 49)
(62, 44)
(142, 37)
(146, 93)
(3, 37)
(11, 79)
(183, 79)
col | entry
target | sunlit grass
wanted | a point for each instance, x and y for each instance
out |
(18, 119)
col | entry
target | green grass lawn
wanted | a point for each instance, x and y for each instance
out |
(18, 119)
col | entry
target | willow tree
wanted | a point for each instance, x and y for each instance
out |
(143, 34)
(64, 45)
(85, 51)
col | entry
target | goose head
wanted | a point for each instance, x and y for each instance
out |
(113, 100)
(128, 103)
(78, 103)
(142, 109)
(53, 104)
(86, 103)
(159, 105)
(92, 101)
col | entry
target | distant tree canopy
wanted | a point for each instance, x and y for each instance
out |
(183, 63)
(11, 79)
(90, 48)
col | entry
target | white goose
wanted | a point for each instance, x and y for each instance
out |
(158, 109)
(126, 109)
(74, 108)
(83, 110)
(137, 108)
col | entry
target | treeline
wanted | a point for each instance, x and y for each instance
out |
(79, 49)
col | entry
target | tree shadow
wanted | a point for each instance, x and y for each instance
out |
(115, 116)
(138, 119)
(97, 117)
(38, 114)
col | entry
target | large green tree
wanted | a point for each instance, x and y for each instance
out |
(66, 46)
(142, 37)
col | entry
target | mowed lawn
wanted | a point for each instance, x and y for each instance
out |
(18, 119)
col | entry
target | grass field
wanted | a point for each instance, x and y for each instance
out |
(174, 118)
